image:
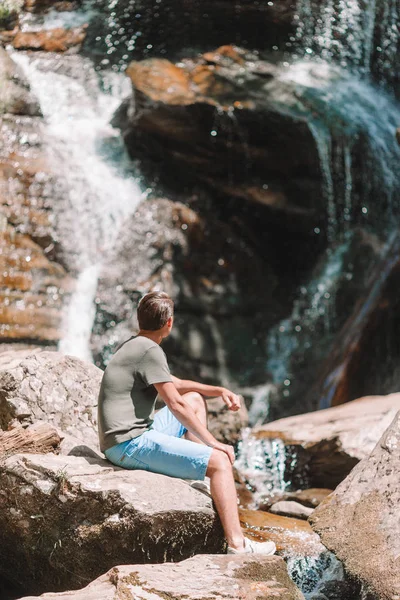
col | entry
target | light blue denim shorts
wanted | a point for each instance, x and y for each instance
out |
(162, 450)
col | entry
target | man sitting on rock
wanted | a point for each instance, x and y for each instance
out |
(175, 441)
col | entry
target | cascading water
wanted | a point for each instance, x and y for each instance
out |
(99, 187)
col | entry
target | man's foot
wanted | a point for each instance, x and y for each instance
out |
(250, 547)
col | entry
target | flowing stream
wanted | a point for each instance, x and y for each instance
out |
(99, 187)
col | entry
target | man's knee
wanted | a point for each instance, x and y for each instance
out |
(219, 461)
(195, 400)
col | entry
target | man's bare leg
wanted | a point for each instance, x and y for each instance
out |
(223, 492)
(199, 406)
(223, 489)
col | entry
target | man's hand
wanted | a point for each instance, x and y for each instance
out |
(227, 449)
(231, 400)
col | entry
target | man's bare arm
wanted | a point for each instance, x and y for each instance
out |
(185, 385)
(186, 415)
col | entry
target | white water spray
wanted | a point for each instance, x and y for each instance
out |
(99, 188)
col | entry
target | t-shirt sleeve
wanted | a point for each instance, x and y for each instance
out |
(154, 367)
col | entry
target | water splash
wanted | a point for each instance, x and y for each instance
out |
(313, 310)
(97, 183)
(312, 573)
(262, 463)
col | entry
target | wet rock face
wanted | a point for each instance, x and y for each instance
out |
(216, 121)
(33, 284)
(359, 522)
(221, 288)
(211, 577)
(47, 386)
(53, 505)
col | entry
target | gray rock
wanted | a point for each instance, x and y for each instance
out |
(329, 443)
(15, 96)
(360, 521)
(65, 520)
(37, 385)
(289, 508)
(199, 578)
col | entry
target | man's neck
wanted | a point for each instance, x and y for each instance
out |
(155, 336)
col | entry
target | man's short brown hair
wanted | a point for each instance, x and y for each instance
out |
(154, 310)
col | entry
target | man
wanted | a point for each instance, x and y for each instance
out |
(175, 441)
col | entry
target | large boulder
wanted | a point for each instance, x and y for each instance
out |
(222, 307)
(360, 522)
(65, 520)
(48, 386)
(320, 448)
(200, 577)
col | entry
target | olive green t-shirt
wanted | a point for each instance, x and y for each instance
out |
(127, 395)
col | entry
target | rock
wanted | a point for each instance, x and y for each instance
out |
(200, 577)
(15, 96)
(226, 425)
(221, 304)
(289, 508)
(329, 443)
(360, 523)
(293, 537)
(173, 113)
(311, 497)
(50, 40)
(52, 506)
(47, 386)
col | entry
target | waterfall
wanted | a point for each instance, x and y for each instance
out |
(340, 30)
(99, 188)
(262, 462)
(363, 34)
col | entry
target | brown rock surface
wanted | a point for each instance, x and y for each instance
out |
(47, 386)
(50, 40)
(331, 442)
(65, 520)
(293, 537)
(360, 522)
(198, 578)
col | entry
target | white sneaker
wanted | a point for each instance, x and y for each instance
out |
(251, 547)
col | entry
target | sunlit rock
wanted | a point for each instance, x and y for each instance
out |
(211, 577)
(66, 520)
(360, 523)
(47, 386)
(329, 443)
(50, 40)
